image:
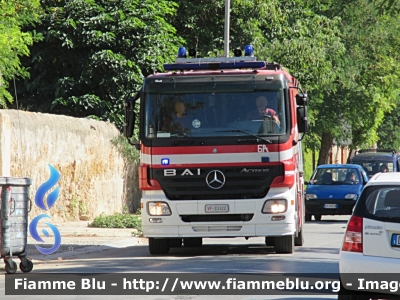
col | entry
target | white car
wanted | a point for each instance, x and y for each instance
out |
(371, 246)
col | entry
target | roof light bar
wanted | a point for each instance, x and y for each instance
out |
(215, 65)
(248, 50)
(182, 52)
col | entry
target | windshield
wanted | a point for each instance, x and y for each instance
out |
(214, 114)
(326, 176)
(372, 167)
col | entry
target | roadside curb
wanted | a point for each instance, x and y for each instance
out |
(57, 257)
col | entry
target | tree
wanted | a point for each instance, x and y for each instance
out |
(367, 84)
(14, 42)
(96, 53)
(388, 131)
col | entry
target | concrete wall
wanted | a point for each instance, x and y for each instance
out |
(93, 174)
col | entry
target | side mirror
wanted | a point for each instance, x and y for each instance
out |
(302, 121)
(301, 99)
(130, 117)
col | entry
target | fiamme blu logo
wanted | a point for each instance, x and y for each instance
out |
(51, 200)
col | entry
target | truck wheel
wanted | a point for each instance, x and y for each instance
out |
(270, 240)
(193, 242)
(299, 239)
(158, 246)
(284, 244)
(308, 217)
(175, 243)
(317, 217)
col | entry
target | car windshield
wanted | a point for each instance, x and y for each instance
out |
(326, 176)
(193, 107)
(384, 202)
(372, 167)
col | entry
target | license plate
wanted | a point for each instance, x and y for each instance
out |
(330, 206)
(395, 240)
(216, 208)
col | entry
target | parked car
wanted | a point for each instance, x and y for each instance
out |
(332, 191)
(371, 245)
(373, 160)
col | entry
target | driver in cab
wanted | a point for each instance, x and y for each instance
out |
(262, 111)
(179, 120)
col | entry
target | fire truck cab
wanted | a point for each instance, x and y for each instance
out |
(221, 156)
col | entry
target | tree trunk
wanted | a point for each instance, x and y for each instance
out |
(349, 156)
(326, 144)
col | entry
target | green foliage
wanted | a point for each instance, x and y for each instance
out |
(388, 131)
(118, 221)
(14, 42)
(128, 152)
(308, 164)
(288, 32)
(366, 84)
(96, 53)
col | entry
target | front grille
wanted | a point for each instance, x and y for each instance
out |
(217, 218)
(240, 182)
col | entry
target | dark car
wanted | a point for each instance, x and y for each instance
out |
(333, 190)
(376, 160)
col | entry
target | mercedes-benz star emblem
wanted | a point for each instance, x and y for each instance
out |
(215, 179)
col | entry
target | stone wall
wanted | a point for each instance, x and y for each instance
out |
(94, 177)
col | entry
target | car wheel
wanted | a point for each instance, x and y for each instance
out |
(317, 217)
(308, 217)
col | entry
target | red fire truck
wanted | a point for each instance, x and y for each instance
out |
(221, 155)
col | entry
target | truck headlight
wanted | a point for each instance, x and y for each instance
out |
(158, 209)
(351, 196)
(311, 196)
(275, 206)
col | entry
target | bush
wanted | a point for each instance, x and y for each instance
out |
(118, 220)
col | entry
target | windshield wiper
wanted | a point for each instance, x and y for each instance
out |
(258, 140)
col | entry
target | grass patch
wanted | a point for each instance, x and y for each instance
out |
(119, 220)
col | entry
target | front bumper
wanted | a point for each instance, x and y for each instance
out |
(324, 207)
(234, 229)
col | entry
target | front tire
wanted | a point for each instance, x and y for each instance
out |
(158, 246)
(299, 239)
(284, 244)
(308, 217)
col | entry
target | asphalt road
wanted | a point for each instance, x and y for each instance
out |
(319, 255)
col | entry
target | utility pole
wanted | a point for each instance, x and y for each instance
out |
(226, 35)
